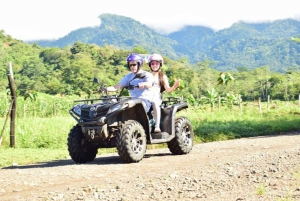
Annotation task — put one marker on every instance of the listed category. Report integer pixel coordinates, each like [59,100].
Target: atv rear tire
[80,150]
[182,143]
[132,142]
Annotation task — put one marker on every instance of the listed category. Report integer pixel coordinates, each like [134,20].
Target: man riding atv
[134,63]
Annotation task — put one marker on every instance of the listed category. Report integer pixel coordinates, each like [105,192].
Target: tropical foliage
[70,71]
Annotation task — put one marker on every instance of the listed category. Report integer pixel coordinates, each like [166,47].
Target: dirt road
[262,168]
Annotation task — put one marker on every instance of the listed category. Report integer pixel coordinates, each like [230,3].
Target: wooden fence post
[8,114]
[13,109]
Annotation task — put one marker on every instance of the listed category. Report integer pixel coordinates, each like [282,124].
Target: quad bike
[122,122]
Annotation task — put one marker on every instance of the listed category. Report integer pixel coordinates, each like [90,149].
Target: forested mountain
[242,45]
[119,31]
[245,45]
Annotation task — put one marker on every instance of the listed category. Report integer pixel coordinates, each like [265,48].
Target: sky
[53,19]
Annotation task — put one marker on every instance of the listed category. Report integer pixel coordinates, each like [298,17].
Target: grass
[21,156]
[297,174]
[36,140]
[231,124]
[38,132]
[45,139]
[261,190]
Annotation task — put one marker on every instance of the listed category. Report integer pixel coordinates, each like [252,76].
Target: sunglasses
[154,63]
[130,65]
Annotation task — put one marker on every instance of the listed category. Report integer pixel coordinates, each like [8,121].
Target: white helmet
[156,57]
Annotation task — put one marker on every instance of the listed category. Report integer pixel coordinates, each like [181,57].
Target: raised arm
[167,86]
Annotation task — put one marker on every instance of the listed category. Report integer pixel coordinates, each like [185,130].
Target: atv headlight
[114,108]
[77,109]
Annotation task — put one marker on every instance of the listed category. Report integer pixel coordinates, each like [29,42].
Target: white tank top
[156,90]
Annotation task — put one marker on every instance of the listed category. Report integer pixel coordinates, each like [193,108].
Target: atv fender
[168,117]
[134,110]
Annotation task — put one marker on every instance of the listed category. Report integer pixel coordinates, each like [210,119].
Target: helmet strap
[138,69]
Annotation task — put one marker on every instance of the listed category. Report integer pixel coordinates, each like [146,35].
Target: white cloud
[36,19]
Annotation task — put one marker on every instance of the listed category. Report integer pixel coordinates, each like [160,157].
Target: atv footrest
[160,135]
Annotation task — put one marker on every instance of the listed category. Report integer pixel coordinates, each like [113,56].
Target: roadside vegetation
[41,139]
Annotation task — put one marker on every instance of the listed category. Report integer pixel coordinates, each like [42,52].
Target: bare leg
[156,115]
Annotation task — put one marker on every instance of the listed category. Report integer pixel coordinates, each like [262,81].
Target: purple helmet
[135,57]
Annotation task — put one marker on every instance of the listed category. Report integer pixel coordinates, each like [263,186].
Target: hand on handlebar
[141,85]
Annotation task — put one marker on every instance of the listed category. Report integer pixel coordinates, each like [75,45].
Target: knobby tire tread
[177,145]
[78,153]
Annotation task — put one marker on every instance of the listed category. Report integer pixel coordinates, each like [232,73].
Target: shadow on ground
[99,160]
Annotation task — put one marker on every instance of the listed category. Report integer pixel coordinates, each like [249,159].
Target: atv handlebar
[103,89]
[131,87]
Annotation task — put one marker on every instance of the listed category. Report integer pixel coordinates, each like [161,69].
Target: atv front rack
[108,98]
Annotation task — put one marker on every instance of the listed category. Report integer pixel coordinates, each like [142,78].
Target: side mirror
[95,80]
[138,76]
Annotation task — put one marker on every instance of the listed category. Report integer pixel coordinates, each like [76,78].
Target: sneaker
[157,130]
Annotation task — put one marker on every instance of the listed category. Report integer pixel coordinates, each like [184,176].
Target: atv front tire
[80,150]
[132,142]
[182,143]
